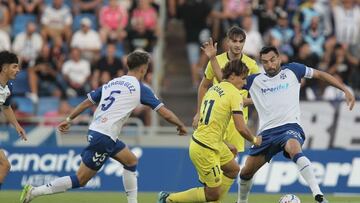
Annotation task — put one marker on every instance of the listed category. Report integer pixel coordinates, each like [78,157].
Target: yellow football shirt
[218,104]
[232,136]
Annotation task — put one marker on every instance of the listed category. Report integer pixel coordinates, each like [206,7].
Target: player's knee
[212,195]
[233,173]
[246,174]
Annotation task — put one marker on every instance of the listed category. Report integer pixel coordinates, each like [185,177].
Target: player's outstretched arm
[210,50]
[244,130]
[350,99]
[203,87]
[10,116]
[65,125]
[170,117]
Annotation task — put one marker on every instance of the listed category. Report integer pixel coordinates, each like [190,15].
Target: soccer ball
[289,198]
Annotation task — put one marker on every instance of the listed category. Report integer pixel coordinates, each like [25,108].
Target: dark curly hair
[235,66]
[7,57]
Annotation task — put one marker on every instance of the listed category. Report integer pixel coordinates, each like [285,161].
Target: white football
[289,198]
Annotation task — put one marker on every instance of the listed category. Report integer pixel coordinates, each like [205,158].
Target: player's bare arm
[65,125]
[244,130]
[10,116]
[169,116]
[210,50]
[203,87]
[350,99]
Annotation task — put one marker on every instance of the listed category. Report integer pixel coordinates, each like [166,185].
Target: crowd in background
[68,48]
[323,34]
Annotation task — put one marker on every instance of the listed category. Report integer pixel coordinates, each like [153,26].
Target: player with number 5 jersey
[211,156]
[115,101]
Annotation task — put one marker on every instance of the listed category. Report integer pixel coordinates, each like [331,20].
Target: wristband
[68,119]
[254,140]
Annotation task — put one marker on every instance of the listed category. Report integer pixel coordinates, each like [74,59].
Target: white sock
[244,187]
[56,186]
[130,185]
[307,172]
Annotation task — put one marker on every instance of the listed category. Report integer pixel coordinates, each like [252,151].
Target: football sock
[244,187]
[307,172]
[191,195]
[56,186]
[130,185]
[225,186]
[0,185]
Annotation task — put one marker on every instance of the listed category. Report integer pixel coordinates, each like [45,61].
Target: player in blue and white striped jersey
[9,67]
[115,101]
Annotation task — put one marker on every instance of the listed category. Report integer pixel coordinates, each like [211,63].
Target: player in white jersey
[275,95]
[9,67]
[115,101]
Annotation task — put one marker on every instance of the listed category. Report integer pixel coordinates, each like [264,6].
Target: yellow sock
[225,186]
[191,195]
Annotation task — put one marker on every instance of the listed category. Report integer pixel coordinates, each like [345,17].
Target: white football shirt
[276,99]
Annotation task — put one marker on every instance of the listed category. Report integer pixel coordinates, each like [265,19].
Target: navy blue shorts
[274,140]
[100,148]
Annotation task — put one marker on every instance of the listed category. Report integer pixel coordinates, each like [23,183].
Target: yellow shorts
[208,162]
[232,136]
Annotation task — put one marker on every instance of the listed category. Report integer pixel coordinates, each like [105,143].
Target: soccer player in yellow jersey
[211,156]
[235,41]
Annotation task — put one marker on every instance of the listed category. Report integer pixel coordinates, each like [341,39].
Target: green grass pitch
[7,196]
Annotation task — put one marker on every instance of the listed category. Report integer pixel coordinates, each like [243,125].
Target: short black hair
[235,31]
[234,66]
[7,57]
[137,58]
[268,49]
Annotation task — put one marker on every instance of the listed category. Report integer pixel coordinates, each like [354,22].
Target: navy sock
[130,168]
[74,181]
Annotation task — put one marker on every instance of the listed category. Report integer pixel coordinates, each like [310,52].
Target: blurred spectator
[306,13]
[315,37]
[281,35]
[113,19]
[29,7]
[10,6]
[5,18]
[324,9]
[253,43]
[235,10]
[76,72]
[107,68]
[59,51]
[86,6]
[334,94]
[5,42]
[139,37]
[56,21]
[54,118]
[27,45]
[44,77]
[194,15]
[343,63]
[147,13]
[347,25]
[87,40]
[305,56]
[267,15]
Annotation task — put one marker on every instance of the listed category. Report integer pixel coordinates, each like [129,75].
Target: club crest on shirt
[282,76]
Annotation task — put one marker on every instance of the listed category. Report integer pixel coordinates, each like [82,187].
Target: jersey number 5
[208,105]
[111,100]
